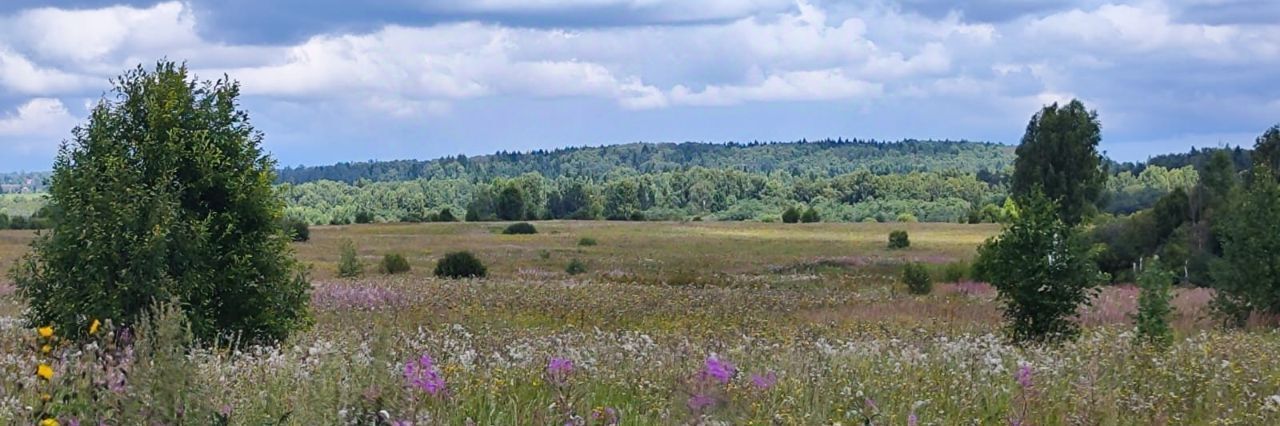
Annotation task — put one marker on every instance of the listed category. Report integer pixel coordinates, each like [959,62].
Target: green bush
[916,276]
[907,218]
[575,267]
[298,230]
[348,263]
[1154,307]
[522,228]
[393,263]
[364,217]
[166,192]
[587,241]
[460,264]
[810,216]
[791,215]
[1042,271]
[955,272]
[899,240]
[446,216]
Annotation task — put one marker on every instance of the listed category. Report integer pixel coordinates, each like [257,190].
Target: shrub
[907,218]
[955,272]
[446,216]
[587,241]
[899,240]
[522,228]
[298,230]
[810,216]
[791,215]
[1042,272]
[348,263]
[460,264]
[916,276]
[636,217]
[1154,307]
[364,217]
[393,263]
[575,267]
[166,191]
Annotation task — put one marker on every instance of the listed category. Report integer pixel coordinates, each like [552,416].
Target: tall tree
[511,204]
[1059,155]
[1266,150]
[166,194]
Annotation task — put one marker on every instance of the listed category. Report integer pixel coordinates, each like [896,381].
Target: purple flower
[722,371]
[912,420]
[424,375]
[401,423]
[1024,376]
[559,369]
[699,402]
[764,382]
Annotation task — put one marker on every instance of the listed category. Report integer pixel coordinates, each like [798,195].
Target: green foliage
[363,217]
[898,239]
[445,215]
[791,215]
[1266,149]
[521,228]
[907,218]
[916,276]
[1058,156]
[166,193]
[575,267]
[587,241]
[955,272]
[393,263]
[297,230]
[1246,277]
[349,265]
[511,204]
[1042,272]
[810,216]
[461,264]
[164,336]
[1154,304]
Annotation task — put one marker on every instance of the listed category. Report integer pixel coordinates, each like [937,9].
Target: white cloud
[37,125]
[22,76]
[791,86]
[663,10]
[1150,27]
[86,36]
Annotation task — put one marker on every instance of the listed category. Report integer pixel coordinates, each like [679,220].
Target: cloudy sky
[392,79]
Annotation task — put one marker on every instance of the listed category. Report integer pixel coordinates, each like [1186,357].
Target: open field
[816,306]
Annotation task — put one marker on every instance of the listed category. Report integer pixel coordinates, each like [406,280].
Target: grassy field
[680,323]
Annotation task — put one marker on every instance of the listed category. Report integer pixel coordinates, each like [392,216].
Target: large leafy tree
[165,194]
[1059,156]
[1247,276]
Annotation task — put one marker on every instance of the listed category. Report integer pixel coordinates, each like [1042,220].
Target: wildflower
[764,382]
[46,397]
[1024,376]
[558,369]
[45,332]
[424,375]
[49,422]
[93,327]
[720,370]
[45,349]
[44,371]
[912,420]
[699,402]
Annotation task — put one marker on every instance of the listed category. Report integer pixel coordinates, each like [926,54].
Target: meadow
[671,323]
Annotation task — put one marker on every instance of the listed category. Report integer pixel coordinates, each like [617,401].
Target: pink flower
[424,375]
[1024,376]
[559,369]
[764,382]
[700,402]
[720,370]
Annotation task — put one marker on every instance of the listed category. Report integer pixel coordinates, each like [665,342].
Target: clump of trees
[1040,265]
[1246,275]
[165,193]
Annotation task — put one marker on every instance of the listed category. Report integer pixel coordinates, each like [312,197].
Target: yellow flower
[93,328]
[45,349]
[49,422]
[45,397]
[44,371]
[45,332]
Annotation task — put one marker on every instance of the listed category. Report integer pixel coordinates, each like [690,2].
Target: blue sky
[328,81]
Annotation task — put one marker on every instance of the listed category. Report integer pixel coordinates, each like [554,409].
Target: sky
[334,80]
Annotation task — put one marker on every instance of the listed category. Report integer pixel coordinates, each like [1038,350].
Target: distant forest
[840,180]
